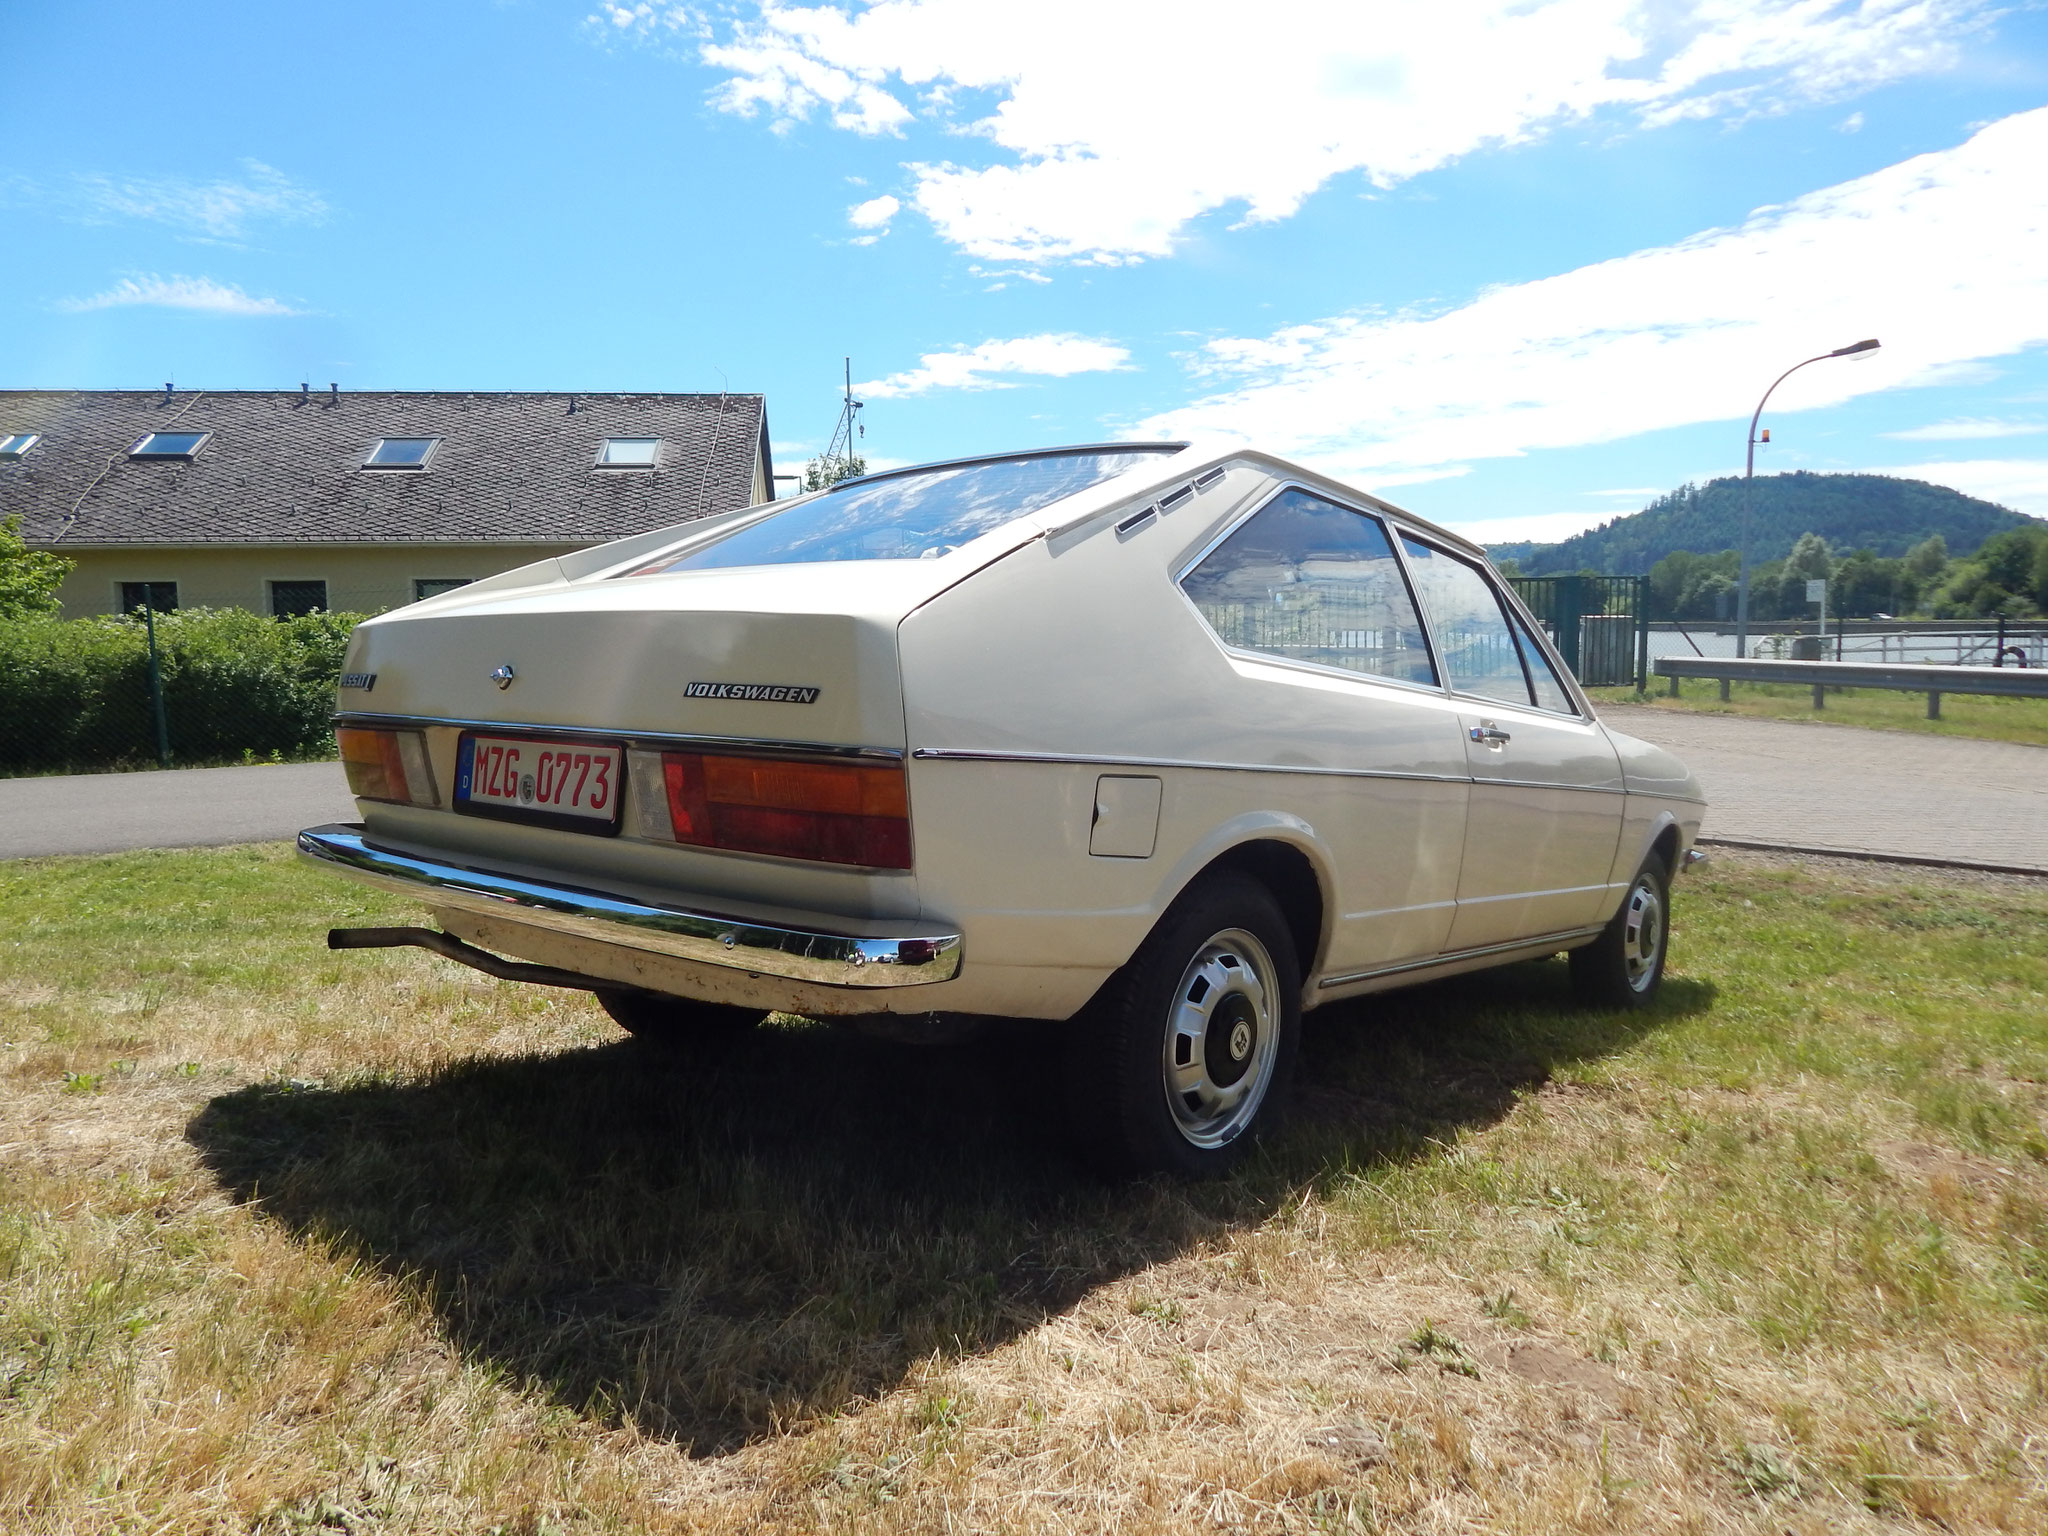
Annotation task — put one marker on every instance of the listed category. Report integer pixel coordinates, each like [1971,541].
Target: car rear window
[919,515]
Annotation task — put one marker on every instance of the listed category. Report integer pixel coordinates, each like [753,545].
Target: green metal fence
[1599,624]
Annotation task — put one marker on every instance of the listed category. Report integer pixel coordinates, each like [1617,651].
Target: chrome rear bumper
[890,955]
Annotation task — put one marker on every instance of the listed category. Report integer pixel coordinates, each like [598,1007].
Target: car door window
[1550,692]
[1479,651]
[1308,580]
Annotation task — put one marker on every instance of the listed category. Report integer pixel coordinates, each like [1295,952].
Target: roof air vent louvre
[1203,482]
[1173,499]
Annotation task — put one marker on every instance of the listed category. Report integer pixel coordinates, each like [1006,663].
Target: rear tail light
[387,765]
[831,813]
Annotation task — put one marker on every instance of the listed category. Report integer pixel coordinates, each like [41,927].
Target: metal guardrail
[1903,677]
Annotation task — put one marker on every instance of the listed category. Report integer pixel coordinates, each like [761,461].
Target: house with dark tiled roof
[287,501]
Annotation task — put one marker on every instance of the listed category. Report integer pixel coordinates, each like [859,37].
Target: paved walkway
[184,808]
[1811,785]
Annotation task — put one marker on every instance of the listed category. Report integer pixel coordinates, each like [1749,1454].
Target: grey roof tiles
[284,468]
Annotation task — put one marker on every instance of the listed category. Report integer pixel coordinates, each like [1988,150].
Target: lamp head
[1855,347]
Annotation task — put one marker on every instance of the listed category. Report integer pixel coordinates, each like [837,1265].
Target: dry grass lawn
[293,1241]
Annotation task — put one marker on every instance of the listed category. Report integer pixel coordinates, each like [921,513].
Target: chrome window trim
[652,740]
[1162,450]
[1387,522]
[824,958]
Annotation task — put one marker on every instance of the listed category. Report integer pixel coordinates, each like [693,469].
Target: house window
[433,586]
[14,444]
[401,453]
[169,445]
[294,599]
[160,595]
[629,453]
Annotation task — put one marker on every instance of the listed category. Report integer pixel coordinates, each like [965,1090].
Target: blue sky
[1519,264]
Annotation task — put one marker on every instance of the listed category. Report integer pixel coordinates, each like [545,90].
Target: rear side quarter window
[1307,580]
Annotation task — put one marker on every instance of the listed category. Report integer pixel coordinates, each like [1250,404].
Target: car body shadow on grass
[718,1249]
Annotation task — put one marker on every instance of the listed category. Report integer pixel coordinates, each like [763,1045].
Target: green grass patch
[292,1239]
[1988,718]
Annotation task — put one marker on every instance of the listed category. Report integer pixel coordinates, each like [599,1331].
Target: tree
[29,578]
[825,471]
[1924,561]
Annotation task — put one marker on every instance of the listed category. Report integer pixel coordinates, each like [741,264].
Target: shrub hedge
[74,693]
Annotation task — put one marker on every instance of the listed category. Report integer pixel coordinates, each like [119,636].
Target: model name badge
[766,693]
[363,680]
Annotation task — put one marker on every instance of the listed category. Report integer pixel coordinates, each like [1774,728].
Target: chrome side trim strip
[1453,956]
[1092,760]
[763,949]
[651,739]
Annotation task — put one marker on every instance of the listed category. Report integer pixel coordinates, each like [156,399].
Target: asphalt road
[1782,782]
[184,808]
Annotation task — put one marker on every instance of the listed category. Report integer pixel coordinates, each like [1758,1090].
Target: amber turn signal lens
[831,813]
[386,765]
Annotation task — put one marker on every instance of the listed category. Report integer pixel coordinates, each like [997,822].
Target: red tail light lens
[386,765]
[832,813]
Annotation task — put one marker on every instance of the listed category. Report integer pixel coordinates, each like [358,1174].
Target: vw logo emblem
[1240,1040]
[503,677]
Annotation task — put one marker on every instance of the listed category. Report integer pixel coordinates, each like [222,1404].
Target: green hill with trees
[1885,545]
[1880,513]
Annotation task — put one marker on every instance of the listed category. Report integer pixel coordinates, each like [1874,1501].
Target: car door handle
[1491,734]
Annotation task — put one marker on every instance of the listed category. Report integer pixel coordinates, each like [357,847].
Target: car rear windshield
[920,515]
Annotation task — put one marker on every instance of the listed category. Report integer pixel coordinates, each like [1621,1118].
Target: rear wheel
[1184,1057]
[1624,966]
[677,1023]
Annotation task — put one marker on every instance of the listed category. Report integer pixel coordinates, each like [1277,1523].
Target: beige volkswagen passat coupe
[1158,745]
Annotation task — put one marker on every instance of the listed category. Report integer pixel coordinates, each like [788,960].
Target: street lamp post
[1748,479]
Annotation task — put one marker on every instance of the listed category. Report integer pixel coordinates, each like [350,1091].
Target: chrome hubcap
[1642,934]
[1221,1038]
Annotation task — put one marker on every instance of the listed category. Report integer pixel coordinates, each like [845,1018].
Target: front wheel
[1183,1059]
[1623,967]
[677,1023]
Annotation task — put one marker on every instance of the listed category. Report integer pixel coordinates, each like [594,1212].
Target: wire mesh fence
[186,689]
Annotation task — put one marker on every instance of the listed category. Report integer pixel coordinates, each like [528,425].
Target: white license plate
[545,780]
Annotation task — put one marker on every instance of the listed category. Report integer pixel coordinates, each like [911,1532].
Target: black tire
[677,1023]
[1624,966]
[1217,976]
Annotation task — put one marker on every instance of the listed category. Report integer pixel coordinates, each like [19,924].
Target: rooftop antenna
[841,461]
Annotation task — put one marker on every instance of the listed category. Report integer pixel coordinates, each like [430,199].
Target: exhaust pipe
[452,948]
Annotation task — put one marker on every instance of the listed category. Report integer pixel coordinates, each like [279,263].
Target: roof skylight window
[168,445]
[14,444]
[629,453]
[401,453]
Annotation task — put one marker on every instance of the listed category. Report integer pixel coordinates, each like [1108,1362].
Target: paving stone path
[1838,787]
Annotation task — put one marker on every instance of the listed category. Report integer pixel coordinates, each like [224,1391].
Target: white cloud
[1944,257]
[199,293]
[1116,122]
[2021,484]
[874,216]
[982,367]
[220,210]
[1538,527]
[1956,431]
